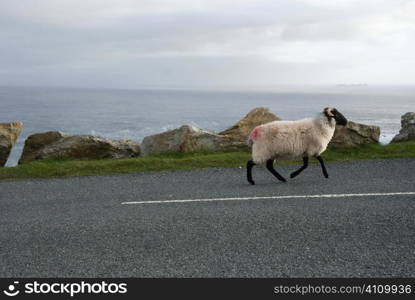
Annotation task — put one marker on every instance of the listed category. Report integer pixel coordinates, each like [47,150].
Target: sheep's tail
[255,134]
[250,142]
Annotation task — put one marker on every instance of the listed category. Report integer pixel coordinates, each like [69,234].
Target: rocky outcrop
[187,139]
[191,139]
[407,131]
[240,131]
[354,134]
[57,145]
[9,132]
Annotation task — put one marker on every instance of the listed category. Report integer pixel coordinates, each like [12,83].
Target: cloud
[129,43]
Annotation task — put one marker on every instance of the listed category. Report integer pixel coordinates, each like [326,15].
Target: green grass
[181,161]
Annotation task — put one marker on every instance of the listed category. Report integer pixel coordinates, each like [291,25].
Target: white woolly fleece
[286,140]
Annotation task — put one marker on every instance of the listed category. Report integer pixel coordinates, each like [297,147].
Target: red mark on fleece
[256,133]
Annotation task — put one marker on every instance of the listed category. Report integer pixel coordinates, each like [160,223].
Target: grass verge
[181,161]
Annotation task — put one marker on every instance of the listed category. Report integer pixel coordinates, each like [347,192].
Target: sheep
[287,140]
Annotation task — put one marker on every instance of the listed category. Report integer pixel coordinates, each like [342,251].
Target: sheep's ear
[328,111]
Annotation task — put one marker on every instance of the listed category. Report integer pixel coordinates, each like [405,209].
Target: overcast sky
[206,43]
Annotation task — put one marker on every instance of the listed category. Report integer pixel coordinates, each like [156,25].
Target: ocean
[134,114]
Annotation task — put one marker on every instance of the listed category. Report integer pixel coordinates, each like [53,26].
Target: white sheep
[287,140]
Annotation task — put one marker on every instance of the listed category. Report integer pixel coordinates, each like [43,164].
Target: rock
[56,145]
[187,139]
[354,134]
[241,130]
[407,131]
[35,143]
[191,139]
[9,132]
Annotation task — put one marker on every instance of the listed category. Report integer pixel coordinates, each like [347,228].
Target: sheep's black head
[330,113]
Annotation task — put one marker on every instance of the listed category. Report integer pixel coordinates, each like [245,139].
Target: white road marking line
[270,197]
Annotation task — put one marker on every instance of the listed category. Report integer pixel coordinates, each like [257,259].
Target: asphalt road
[78,227]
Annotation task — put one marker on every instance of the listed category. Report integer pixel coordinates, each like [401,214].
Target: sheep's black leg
[304,166]
[249,166]
[270,167]
[323,167]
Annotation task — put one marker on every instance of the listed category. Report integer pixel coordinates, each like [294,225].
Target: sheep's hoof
[293,175]
[251,182]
